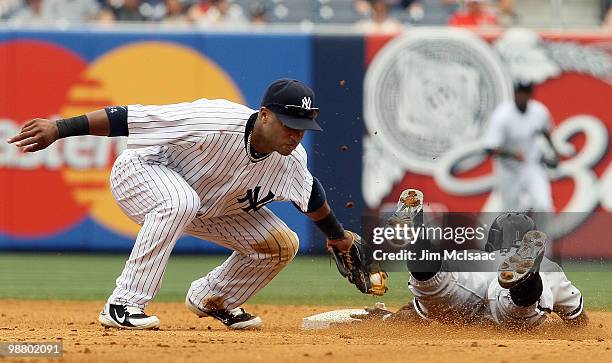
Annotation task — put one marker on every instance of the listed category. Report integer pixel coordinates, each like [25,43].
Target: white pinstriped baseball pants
[162,202]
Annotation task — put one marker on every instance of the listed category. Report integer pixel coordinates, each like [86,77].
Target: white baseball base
[326,319]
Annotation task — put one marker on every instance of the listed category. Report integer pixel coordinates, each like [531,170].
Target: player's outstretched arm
[319,211]
[348,250]
[38,134]
[350,253]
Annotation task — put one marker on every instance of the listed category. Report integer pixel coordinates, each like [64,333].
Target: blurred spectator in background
[155,10]
[607,22]
[505,8]
[70,11]
[379,21]
[129,10]
[430,12]
[220,12]
[473,14]
[9,7]
[175,12]
[257,13]
[106,14]
[197,10]
[362,7]
[31,13]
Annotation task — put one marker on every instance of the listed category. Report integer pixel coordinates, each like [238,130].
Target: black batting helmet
[507,231]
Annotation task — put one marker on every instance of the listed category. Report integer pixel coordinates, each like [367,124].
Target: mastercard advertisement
[59,198]
[398,111]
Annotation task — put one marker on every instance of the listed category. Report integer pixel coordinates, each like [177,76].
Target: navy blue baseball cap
[292,101]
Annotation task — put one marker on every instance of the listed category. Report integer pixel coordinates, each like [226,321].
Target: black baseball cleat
[524,262]
[233,319]
[127,317]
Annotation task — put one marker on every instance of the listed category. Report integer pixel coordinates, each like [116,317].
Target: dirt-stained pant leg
[263,245]
[452,297]
[506,313]
[162,202]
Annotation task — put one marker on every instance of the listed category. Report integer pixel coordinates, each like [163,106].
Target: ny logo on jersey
[306,103]
[252,196]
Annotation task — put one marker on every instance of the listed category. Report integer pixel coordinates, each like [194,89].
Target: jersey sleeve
[183,124]
[159,125]
[568,303]
[301,181]
[493,135]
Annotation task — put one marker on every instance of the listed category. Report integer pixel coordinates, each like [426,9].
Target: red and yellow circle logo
[48,191]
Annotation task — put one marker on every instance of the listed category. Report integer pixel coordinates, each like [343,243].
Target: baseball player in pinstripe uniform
[207,168]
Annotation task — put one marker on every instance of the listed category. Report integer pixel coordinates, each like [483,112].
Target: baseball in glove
[357,266]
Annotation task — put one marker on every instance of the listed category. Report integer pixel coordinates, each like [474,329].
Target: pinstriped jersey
[205,141]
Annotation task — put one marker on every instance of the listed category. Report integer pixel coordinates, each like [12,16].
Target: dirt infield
[184,337]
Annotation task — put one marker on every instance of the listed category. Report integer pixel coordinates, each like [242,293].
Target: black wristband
[74,126]
[330,226]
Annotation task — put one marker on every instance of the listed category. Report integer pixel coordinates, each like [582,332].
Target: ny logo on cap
[306,103]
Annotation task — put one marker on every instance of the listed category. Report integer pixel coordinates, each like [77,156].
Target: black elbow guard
[317,197]
[117,117]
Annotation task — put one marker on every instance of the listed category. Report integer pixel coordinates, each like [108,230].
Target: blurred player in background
[511,137]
